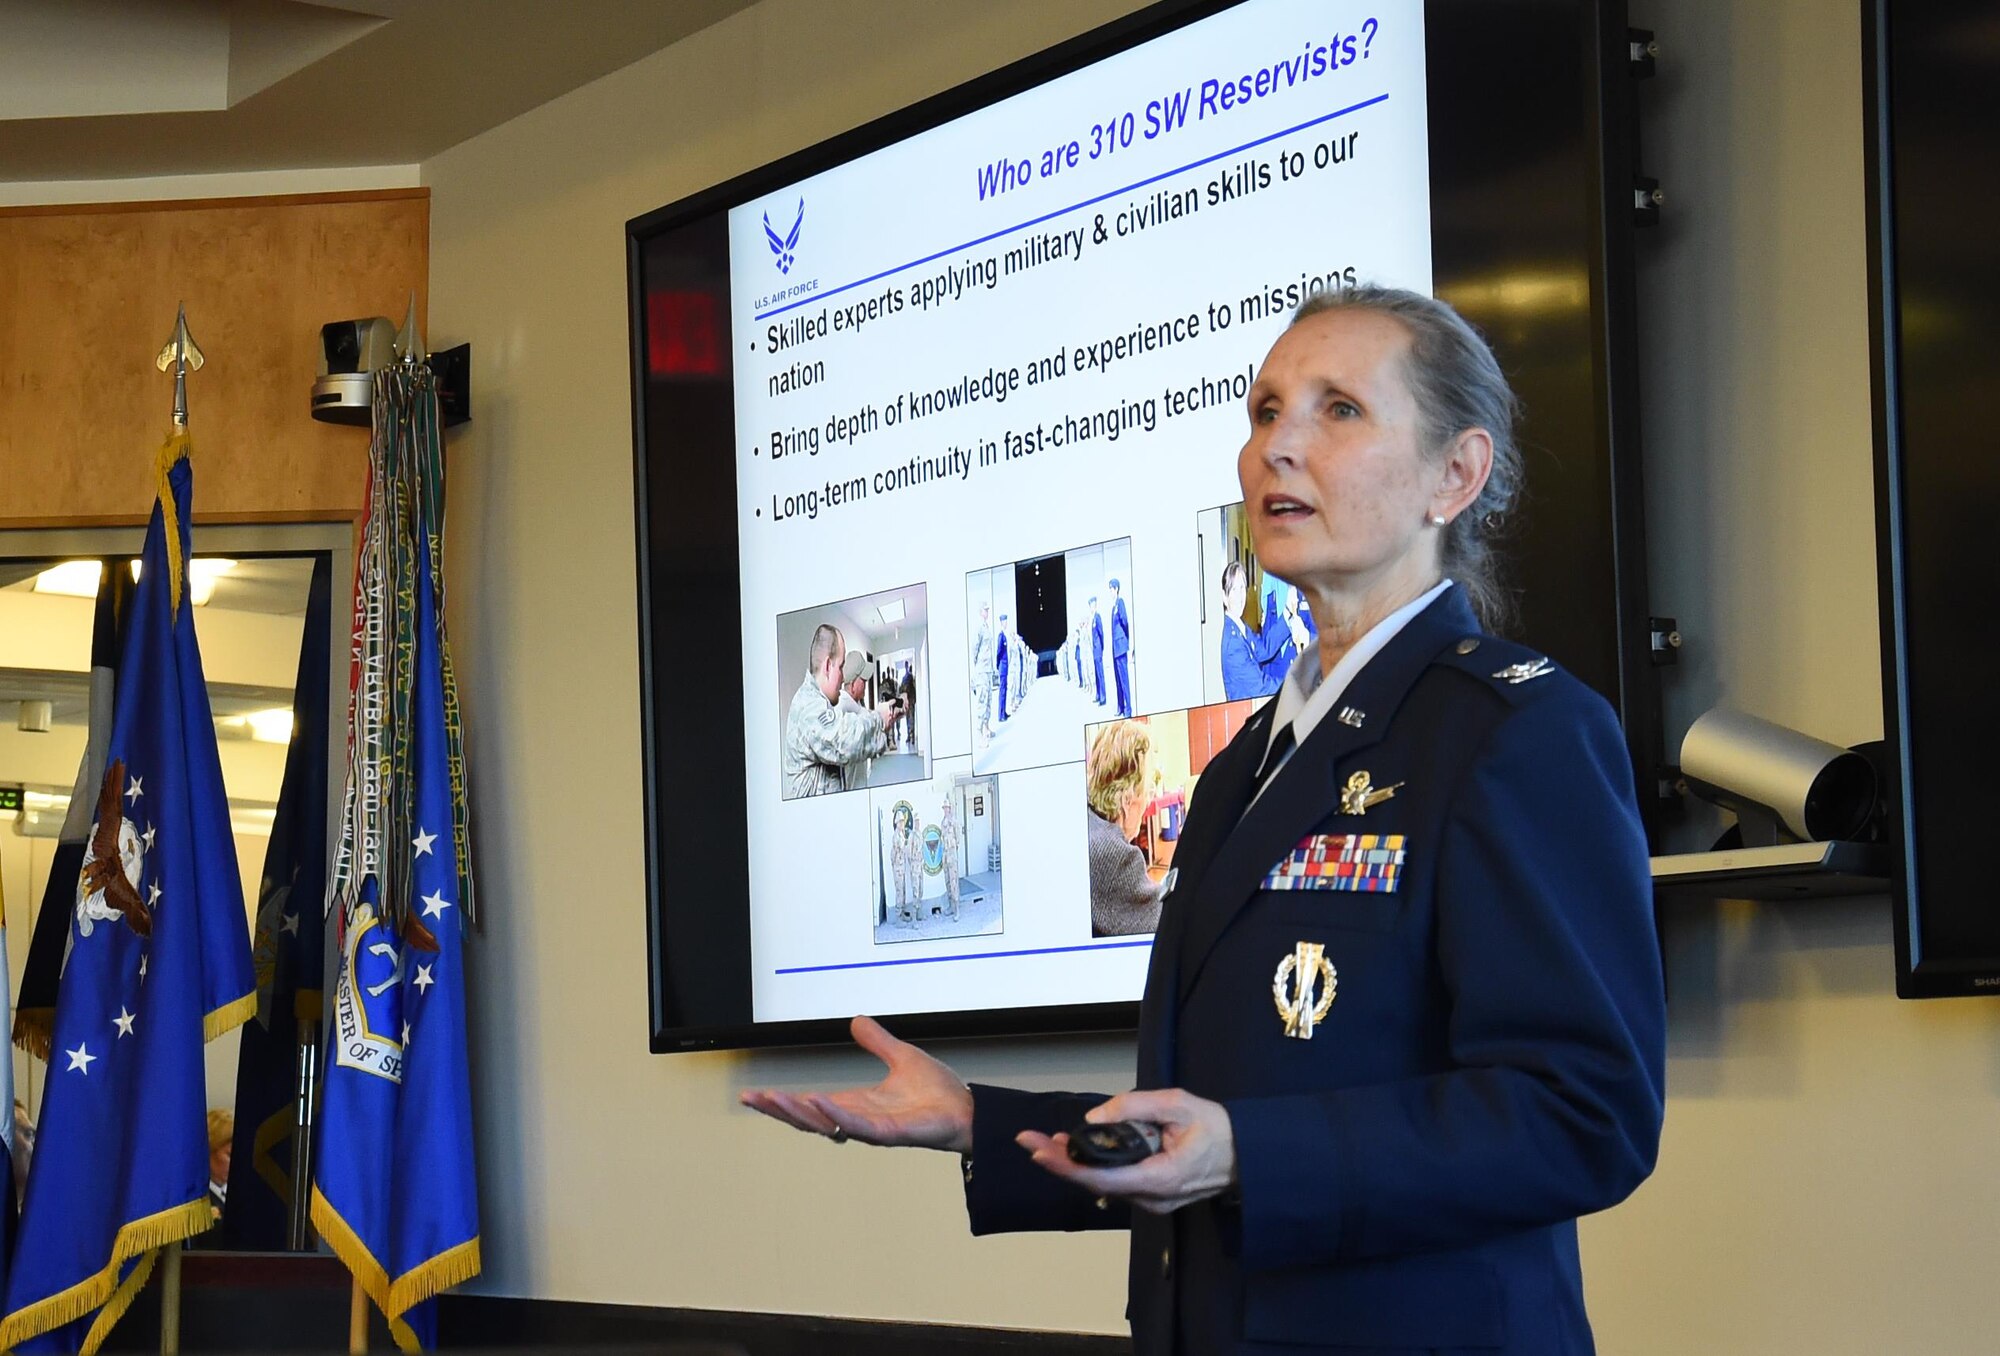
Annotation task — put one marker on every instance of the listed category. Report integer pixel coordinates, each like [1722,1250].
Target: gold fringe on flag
[457,1263]
[394,1299]
[177,446]
[104,1290]
[35,1031]
[228,1017]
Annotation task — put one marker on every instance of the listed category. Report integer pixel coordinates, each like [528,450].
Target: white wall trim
[247,184]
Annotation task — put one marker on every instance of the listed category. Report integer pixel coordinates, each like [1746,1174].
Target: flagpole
[170,1301]
[357,1319]
[180,356]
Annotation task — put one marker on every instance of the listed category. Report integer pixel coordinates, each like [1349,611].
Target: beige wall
[1828,1180]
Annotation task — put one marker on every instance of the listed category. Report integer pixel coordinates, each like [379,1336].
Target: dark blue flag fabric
[286,948]
[395,1193]
[158,963]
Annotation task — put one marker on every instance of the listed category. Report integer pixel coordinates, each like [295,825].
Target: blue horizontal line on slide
[978,955]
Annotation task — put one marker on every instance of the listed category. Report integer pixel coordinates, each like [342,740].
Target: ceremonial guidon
[1419,969]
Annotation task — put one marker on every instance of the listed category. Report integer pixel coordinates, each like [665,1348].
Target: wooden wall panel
[87,298]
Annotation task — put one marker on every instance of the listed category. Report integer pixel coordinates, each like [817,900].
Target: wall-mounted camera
[350,353]
[1784,787]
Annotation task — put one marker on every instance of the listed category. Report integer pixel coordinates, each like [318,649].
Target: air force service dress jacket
[1489,1069]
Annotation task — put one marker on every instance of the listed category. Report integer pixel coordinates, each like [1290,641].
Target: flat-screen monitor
[1931,73]
[936,428]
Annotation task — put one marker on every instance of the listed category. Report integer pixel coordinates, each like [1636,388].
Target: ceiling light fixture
[270,727]
[71,579]
[202,572]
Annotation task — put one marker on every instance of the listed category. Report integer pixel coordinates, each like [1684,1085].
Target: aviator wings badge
[1359,796]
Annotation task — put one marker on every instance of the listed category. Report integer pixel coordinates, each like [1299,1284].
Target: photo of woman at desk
[1138,778]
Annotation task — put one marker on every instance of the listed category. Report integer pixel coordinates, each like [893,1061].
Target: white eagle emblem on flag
[108,885]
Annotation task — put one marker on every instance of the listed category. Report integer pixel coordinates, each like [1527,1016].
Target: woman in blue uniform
[1404,1020]
[1246,659]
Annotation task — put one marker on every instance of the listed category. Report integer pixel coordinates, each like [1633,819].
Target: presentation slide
[990,388]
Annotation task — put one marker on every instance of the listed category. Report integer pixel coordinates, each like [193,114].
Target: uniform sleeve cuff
[1287,1168]
[1004,1191]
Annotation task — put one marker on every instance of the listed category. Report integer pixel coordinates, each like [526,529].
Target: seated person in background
[24,1148]
[221,1131]
[1123,898]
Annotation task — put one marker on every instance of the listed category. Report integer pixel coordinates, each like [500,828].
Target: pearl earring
[1437,520]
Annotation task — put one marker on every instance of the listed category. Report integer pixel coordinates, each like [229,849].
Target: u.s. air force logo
[368,1003]
[785,247]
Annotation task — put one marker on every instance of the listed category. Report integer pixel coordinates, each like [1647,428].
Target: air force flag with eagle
[396,1196]
[158,963]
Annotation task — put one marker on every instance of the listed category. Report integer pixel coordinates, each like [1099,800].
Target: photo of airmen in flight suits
[1053,645]
[936,866]
[1252,624]
[854,694]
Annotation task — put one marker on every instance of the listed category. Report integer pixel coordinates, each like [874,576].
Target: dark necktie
[1281,744]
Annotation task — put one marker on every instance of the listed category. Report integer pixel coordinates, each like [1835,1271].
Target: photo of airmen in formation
[937,858]
[1053,647]
[1253,624]
[850,675]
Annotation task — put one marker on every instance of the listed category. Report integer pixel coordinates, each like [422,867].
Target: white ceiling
[112,89]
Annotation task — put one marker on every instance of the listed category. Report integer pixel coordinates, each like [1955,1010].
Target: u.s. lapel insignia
[1303,989]
[1523,671]
[1359,796]
[1350,716]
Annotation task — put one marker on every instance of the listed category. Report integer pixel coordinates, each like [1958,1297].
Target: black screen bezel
[1925,221]
[1566,60]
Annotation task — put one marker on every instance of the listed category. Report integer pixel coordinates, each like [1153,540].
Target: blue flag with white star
[395,1194]
[158,963]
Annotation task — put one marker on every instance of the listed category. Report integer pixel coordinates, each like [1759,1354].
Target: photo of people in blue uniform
[1253,624]
[1054,645]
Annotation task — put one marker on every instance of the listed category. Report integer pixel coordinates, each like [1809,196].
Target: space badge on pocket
[1340,861]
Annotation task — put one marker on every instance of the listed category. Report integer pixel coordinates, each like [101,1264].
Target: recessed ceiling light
[71,579]
[270,727]
[202,572]
[891,612]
